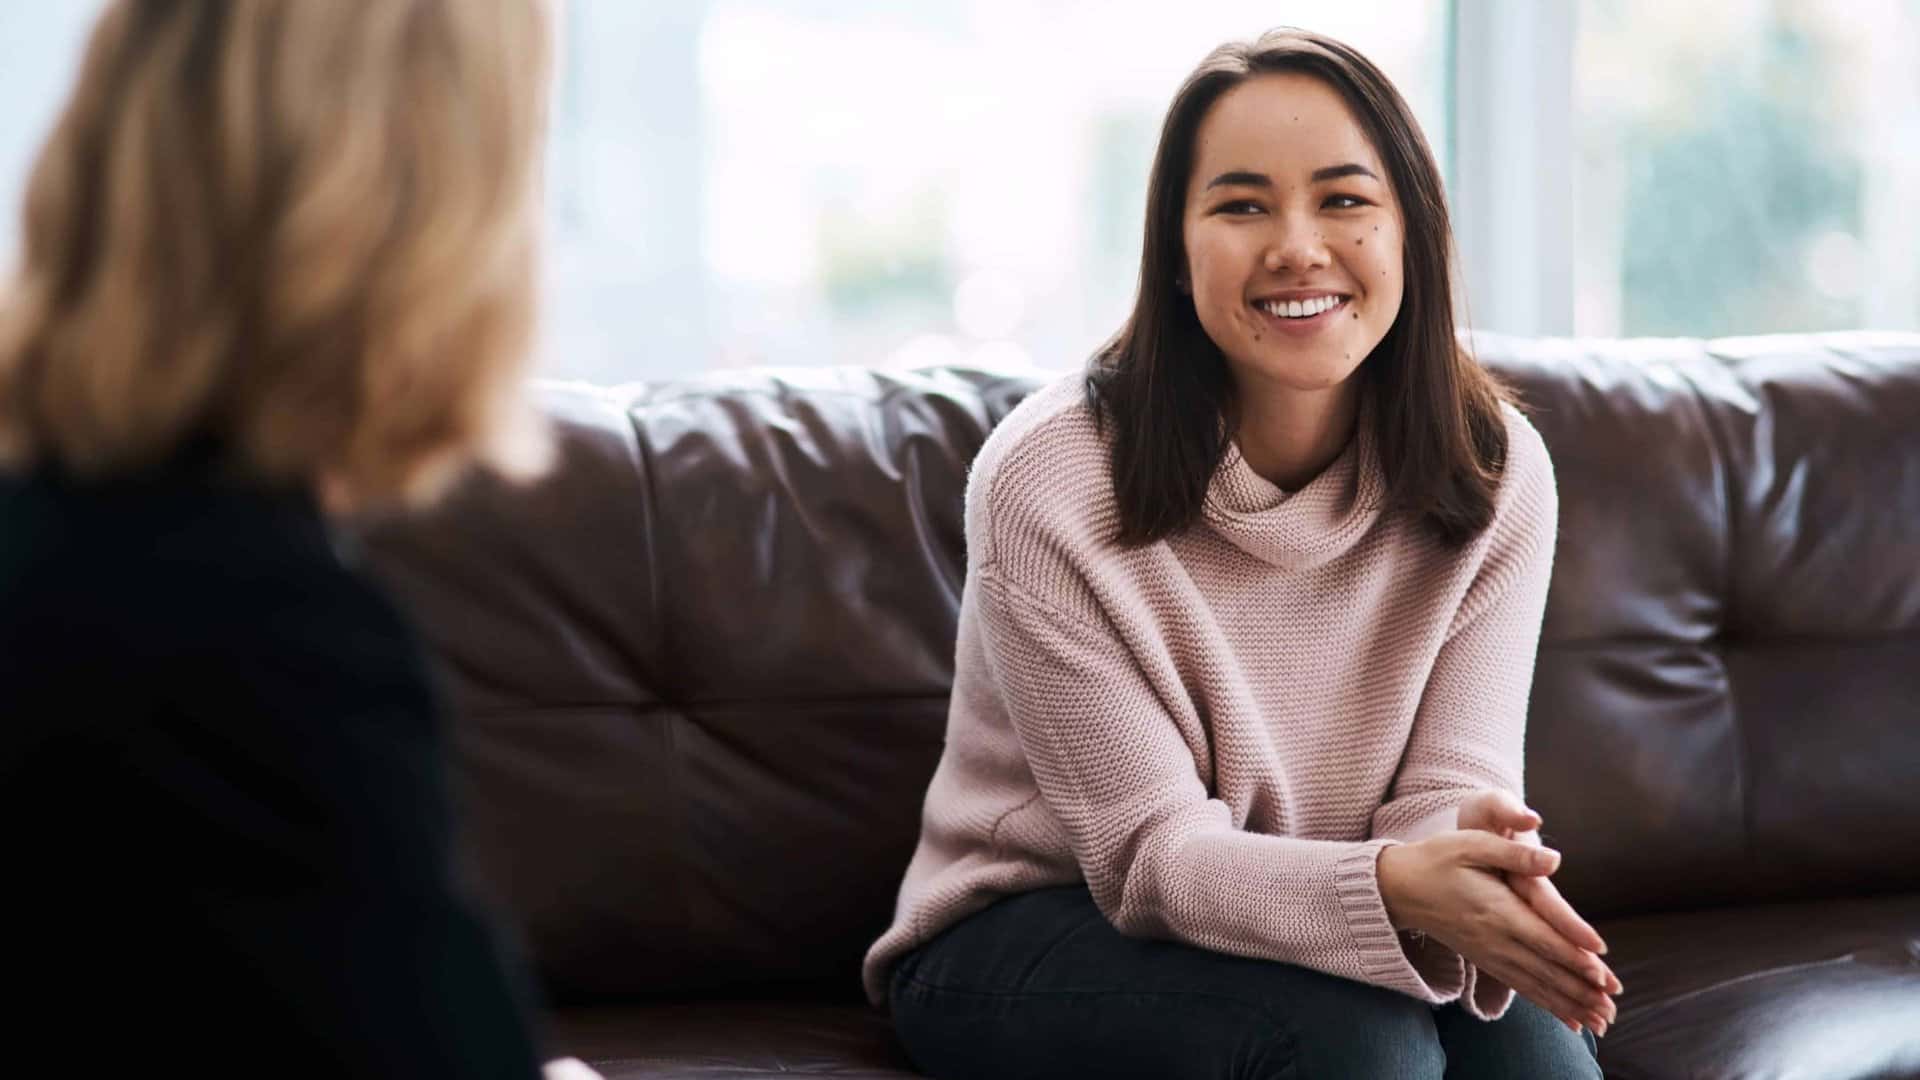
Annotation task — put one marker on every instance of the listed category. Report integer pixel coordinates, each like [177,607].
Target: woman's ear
[1180,282]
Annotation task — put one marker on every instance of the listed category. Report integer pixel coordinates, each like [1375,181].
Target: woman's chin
[1281,370]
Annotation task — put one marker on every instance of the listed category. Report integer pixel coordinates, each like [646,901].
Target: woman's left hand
[1499,812]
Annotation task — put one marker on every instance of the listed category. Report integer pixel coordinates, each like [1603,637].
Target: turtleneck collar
[1301,529]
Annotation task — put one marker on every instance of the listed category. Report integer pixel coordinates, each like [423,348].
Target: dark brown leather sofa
[701,675]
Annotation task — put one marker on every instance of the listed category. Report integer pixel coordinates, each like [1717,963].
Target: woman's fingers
[1552,986]
[1513,942]
[1571,969]
[1496,811]
[1492,852]
[1544,898]
[1525,982]
[1546,902]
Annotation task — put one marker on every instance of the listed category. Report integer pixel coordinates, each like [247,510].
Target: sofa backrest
[1726,706]
[700,672]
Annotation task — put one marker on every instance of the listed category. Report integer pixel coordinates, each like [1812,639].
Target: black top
[224,800]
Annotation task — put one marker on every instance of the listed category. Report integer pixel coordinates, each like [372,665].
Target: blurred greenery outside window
[1746,166]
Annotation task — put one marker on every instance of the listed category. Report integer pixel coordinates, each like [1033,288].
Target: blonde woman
[278,263]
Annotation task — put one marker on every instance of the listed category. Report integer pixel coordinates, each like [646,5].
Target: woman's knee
[1353,1029]
[1269,1020]
[1527,1042]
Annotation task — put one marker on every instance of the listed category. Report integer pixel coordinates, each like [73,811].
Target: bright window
[802,181]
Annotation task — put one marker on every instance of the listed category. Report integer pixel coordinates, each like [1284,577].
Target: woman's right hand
[1449,887]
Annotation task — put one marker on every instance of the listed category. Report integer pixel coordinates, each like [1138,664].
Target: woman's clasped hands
[1482,890]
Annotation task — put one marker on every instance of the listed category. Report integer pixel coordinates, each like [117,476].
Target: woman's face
[1292,234]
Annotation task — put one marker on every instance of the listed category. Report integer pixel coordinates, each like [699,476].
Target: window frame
[1510,161]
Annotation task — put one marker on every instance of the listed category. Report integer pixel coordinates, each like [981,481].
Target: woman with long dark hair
[1233,776]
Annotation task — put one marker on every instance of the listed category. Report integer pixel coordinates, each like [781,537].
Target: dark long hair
[1164,385]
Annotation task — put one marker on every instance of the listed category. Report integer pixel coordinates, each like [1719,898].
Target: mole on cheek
[1357,243]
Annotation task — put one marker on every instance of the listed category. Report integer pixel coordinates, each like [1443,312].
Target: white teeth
[1297,309]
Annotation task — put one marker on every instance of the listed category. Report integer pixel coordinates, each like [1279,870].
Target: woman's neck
[1288,436]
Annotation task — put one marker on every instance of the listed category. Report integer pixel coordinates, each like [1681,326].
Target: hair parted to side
[1166,390]
[303,233]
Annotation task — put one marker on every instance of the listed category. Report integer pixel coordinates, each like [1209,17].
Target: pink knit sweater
[1219,733]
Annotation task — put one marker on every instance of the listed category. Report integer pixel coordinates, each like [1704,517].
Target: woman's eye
[1345,202]
[1240,207]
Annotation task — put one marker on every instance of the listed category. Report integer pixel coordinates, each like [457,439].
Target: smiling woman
[1279,269]
[1233,775]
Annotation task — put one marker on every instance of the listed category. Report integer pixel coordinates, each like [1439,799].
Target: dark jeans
[1041,985]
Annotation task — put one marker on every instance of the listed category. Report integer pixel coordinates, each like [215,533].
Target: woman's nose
[1296,246]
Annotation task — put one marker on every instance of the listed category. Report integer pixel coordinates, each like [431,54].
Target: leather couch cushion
[1828,989]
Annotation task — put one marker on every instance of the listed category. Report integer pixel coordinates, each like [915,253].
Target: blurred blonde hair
[303,231]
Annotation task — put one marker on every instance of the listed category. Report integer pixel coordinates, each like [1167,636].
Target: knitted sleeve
[1160,856]
[1470,728]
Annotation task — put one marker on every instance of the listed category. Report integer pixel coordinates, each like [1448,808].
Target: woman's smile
[1301,315]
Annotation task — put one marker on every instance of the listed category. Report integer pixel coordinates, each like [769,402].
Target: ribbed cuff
[1485,997]
[1382,957]
[1442,968]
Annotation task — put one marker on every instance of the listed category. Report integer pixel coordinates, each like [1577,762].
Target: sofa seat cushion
[725,1040]
[1828,989]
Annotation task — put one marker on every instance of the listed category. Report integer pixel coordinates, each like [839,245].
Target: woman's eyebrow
[1242,177]
[1248,178]
[1335,172]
